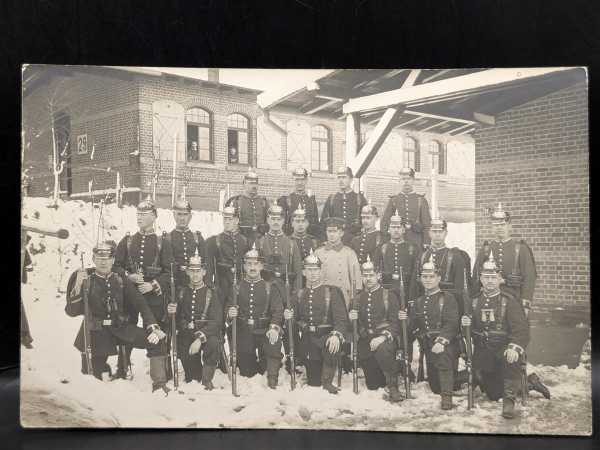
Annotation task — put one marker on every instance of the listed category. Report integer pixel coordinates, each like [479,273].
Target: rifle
[174,361]
[468,343]
[87,338]
[354,349]
[224,358]
[404,338]
[290,327]
[234,337]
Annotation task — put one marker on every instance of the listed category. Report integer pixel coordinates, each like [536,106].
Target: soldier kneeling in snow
[199,311]
[111,298]
[321,316]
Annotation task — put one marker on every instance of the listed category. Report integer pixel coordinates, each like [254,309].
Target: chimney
[213,75]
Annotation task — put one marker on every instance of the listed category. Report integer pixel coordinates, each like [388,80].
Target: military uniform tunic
[184,244]
[305,243]
[280,250]
[414,209]
[252,212]
[395,257]
[295,200]
[519,277]
[340,268]
[223,252]
[366,243]
[345,205]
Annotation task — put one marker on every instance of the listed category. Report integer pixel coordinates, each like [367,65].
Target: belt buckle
[254,228]
[107,322]
[250,321]
[312,328]
[278,274]
[395,276]
[407,226]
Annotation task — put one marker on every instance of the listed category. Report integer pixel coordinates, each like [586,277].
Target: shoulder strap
[441,310]
[386,302]
[448,264]
[207,303]
[500,322]
[516,270]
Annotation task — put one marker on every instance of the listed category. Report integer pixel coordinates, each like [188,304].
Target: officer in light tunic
[370,238]
[302,199]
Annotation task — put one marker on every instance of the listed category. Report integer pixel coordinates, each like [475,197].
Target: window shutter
[417,156]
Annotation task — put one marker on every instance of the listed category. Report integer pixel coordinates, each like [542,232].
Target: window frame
[209,126]
[238,130]
[415,151]
[327,141]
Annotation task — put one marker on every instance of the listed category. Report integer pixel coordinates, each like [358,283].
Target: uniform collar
[492,295]
[375,289]
[182,231]
[435,291]
[300,193]
[399,241]
[314,288]
[507,240]
[406,194]
[337,247]
[346,191]
[271,233]
[369,231]
[435,249]
[247,280]
[148,233]
[299,236]
[103,277]
[200,286]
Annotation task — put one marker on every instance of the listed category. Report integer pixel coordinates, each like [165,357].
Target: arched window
[199,132]
[412,156]
[237,139]
[320,149]
[438,156]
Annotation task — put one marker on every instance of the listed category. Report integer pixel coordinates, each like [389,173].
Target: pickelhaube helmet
[300,173]
[229,211]
[499,215]
[182,205]
[369,210]
[312,260]
[275,210]
[407,171]
[195,262]
[438,224]
[368,266]
[337,222]
[429,266]
[104,249]
[300,213]
[147,205]
[490,265]
[251,176]
[253,254]
[397,219]
[344,171]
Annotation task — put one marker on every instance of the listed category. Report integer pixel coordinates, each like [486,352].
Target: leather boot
[446,388]
[535,384]
[327,374]
[446,402]
[273,366]
[208,372]
[392,385]
[508,400]
[158,373]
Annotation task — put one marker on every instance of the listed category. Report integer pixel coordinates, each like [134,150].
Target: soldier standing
[434,319]
[251,208]
[305,242]
[199,321]
[184,242]
[111,297]
[260,313]
[370,238]
[146,260]
[345,204]
[340,265]
[321,315]
[412,207]
[514,259]
[225,251]
[280,252]
[26,338]
[302,199]
[376,310]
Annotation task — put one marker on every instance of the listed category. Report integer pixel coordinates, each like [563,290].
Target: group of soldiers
[331,293]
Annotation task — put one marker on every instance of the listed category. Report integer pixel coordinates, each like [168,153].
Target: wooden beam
[412,77]
[462,130]
[485,119]
[322,91]
[352,136]
[433,126]
[437,89]
[435,75]
[435,116]
[361,161]
[323,106]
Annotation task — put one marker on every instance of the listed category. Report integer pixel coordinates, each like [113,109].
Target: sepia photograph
[398,250]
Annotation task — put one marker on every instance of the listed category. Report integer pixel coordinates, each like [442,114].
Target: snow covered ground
[55,393]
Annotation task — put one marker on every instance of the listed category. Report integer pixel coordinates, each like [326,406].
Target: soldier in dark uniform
[305,242]
[412,207]
[260,314]
[370,238]
[184,242]
[345,204]
[303,199]
[199,311]
[500,333]
[397,256]
[146,260]
[434,319]
[251,208]
[280,252]
[376,310]
[225,251]
[321,315]
[514,259]
[26,338]
[111,297]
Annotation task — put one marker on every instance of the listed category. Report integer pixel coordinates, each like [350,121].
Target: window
[237,139]
[198,127]
[320,154]
[411,154]
[438,156]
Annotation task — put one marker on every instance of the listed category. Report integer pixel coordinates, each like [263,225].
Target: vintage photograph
[342,249]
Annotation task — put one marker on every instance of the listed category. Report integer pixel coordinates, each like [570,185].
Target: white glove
[333,344]
[402,315]
[512,356]
[153,338]
[288,314]
[437,348]
[376,342]
[465,321]
[172,308]
[353,314]
[195,347]
[191,325]
[273,335]
[145,287]
[232,312]
[136,278]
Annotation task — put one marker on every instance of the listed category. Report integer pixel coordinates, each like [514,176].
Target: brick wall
[535,161]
